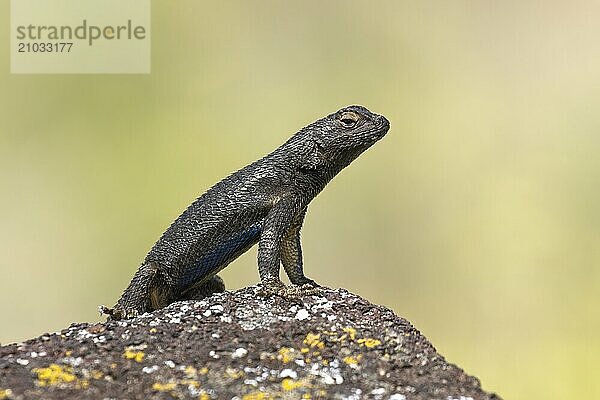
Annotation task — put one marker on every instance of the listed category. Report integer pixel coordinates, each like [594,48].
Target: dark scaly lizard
[264,202]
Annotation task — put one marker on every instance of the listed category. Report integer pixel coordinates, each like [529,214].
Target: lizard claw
[103,310]
[306,283]
[270,288]
[307,289]
[291,293]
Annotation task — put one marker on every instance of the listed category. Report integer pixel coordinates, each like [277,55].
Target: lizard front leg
[291,254]
[270,248]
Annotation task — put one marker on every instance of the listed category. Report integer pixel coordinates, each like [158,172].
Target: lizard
[265,203]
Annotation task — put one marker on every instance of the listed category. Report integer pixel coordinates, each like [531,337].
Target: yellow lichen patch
[96,374]
[306,396]
[313,340]
[352,360]
[368,342]
[351,332]
[170,386]
[289,384]
[164,387]
[190,382]
[68,353]
[5,394]
[257,396]
[204,396]
[190,372]
[153,330]
[203,371]
[286,355]
[55,374]
[233,373]
[304,350]
[138,356]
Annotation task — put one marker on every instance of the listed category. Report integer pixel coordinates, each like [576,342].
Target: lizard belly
[218,257]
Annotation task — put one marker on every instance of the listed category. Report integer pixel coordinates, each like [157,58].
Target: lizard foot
[292,293]
[306,289]
[306,282]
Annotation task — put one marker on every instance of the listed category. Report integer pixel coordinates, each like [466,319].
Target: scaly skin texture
[264,202]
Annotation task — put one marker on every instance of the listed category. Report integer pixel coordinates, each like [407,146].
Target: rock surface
[237,345]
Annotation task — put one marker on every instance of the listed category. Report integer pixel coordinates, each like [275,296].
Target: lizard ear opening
[313,158]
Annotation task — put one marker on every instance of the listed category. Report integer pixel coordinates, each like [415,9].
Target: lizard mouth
[383,123]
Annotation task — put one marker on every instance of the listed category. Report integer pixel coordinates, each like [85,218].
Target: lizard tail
[147,291]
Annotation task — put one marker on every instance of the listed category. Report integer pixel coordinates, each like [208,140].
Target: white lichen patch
[185,308]
[73,361]
[151,369]
[239,353]
[356,395]
[288,373]
[302,314]
[217,309]
[84,334]
[322,304]
[329,375]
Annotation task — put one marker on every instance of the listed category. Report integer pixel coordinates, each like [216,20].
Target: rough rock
[238,345]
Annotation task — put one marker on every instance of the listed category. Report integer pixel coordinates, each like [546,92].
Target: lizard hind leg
[200,291]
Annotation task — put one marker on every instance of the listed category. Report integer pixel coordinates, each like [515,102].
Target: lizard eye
[349,119]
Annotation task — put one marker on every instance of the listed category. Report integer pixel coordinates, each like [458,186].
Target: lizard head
[355,127]
[342,136]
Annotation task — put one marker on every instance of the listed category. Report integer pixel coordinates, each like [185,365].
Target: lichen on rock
[239,345]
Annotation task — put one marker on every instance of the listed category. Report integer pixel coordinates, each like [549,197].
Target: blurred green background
[477,217]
